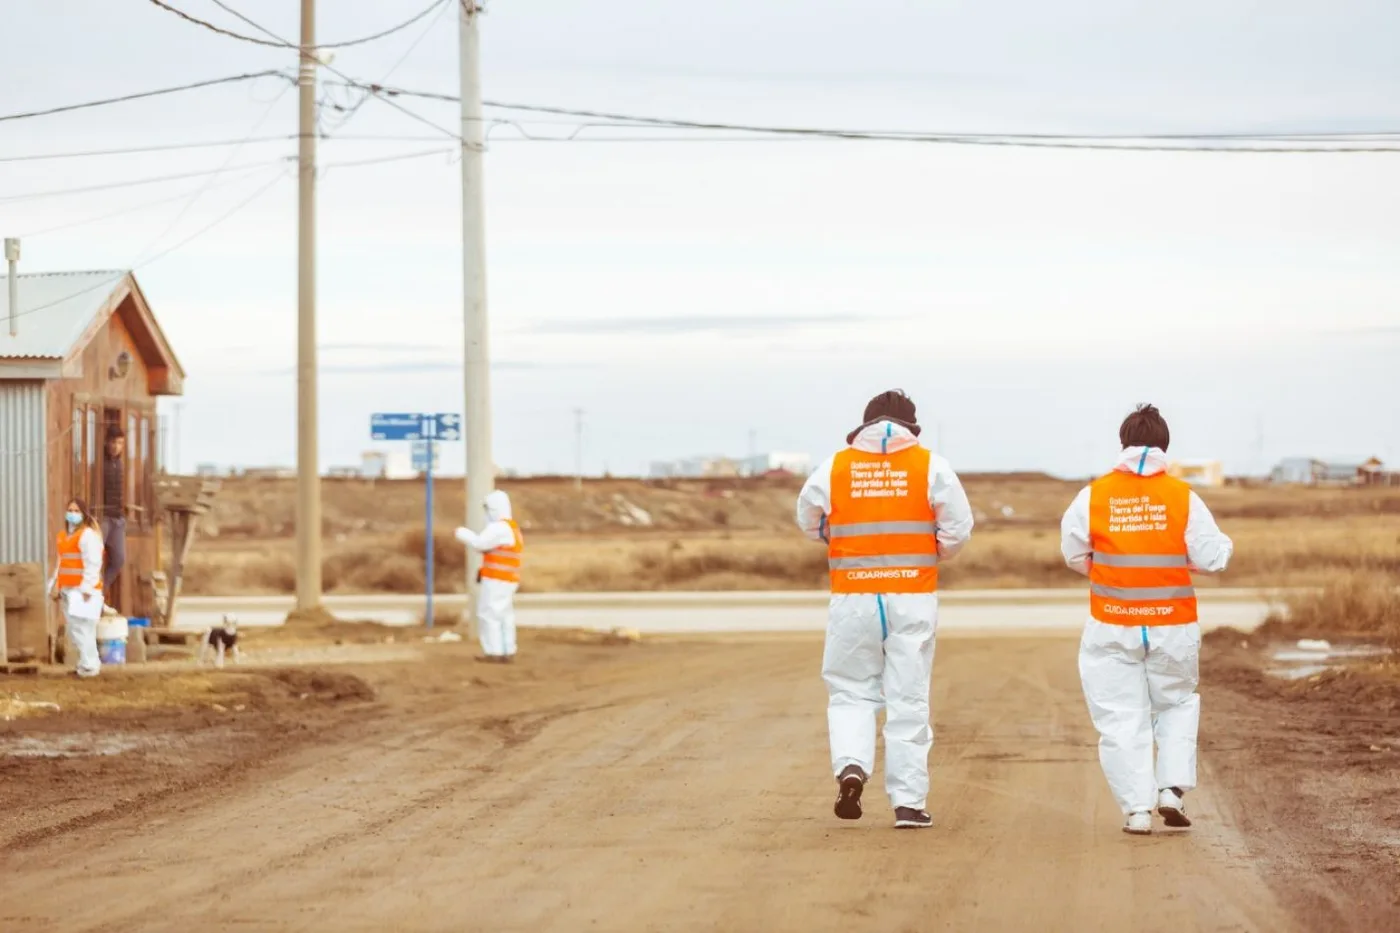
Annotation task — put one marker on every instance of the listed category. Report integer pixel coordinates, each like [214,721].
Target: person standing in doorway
[77,583]
[1137,534]
[113,510]
[889,511]
[503,550]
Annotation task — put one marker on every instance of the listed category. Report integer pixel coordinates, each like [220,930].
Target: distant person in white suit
[77,582]
[503,550]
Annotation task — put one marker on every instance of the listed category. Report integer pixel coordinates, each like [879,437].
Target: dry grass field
[738,534]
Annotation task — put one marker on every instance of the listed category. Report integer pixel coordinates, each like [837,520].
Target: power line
[129,209]
[413,46]
[267,112]
[162,254]
[398,157]
[282,43]
[350,82]
[135,182]
[353,163]
[135,150]
[220,143]
[232,79]
[1325,142]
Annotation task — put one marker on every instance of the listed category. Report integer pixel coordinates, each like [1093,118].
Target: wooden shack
[79,352]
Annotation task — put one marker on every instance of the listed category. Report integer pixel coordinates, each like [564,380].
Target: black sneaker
[850,784]
[909,818]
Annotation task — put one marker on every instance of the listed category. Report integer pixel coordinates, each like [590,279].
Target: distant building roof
[54,310]
[58,312]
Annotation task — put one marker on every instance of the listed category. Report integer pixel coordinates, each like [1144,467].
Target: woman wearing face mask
[77,581]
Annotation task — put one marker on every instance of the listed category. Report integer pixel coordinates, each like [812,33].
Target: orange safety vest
[1140,573]
[70,560]
[881,531]
[503,563]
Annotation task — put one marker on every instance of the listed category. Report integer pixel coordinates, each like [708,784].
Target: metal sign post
[425,429]
[428,523]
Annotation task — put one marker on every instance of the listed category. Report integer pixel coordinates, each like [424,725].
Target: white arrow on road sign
[449,421]
[451,434]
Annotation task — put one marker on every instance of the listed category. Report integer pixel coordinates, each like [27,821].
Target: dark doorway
[113,501]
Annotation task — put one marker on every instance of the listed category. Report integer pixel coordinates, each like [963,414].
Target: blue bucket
[112,652]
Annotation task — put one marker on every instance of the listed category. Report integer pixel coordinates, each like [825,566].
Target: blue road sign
[397,427]
[424,430]
[420,456]
[415,426]
[449,427]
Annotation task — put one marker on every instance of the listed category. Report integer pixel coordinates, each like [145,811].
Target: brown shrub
[1355,603]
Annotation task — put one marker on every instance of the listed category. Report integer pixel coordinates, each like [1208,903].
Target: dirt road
[662,786]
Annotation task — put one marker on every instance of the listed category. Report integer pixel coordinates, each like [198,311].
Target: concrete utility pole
[578,449]
[481,467]
[308,461]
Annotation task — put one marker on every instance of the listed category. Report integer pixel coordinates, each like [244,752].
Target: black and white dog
[222,637]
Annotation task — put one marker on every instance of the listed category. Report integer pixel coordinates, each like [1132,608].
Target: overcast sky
[686,293]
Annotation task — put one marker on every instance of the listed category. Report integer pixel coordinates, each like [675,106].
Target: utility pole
[308,460]
[481,468]
[578,449]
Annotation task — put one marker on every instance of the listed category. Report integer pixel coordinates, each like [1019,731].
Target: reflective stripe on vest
[70,560]
[881,530]
[1140,572]
[504,563]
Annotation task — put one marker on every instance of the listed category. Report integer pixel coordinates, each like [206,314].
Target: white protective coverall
[82,625]
[495,608]
[879,647]
[1140,681]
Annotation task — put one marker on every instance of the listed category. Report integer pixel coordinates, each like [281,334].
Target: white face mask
[74,517]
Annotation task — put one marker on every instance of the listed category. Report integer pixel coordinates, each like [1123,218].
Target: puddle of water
[77,745]
[1295,663]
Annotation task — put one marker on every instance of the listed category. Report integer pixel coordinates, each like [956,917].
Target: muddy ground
[671,784]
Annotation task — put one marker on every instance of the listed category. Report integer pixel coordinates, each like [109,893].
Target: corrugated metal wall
[23,473]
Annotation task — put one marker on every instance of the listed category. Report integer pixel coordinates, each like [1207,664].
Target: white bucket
[111,628]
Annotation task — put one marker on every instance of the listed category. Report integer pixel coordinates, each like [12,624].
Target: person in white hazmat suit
[503,550]
[77,584]
[1138,534]
[889,511]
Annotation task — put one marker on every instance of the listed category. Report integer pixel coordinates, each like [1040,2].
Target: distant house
[1297,471]
[1309,471]
[1198,472]
[776,463]
[715,467]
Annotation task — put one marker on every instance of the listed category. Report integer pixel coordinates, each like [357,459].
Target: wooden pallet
[26,668]
[186,493]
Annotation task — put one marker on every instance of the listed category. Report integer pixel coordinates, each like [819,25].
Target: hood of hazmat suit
[879,646]
[497,506]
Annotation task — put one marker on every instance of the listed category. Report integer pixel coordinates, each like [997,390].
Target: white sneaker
[1139,823]
[1172,808]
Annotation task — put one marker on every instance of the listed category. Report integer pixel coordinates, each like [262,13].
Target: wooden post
[183,539]
[4,639]
[183,500]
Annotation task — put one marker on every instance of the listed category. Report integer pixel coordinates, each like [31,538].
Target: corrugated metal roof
[54,310]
